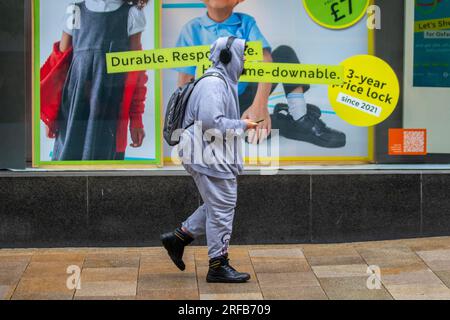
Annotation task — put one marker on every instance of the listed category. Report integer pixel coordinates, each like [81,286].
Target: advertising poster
[290,33]
[432,43]
[82,114]
[425,96]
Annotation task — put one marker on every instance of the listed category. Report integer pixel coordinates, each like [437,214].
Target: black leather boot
[309,128]
[174,242]
[221,271]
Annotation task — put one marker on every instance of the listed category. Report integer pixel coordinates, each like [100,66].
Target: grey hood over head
[232,70]
[215,103]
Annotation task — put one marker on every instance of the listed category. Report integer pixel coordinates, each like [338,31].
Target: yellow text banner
[170,58]
[292,73]
[432,25]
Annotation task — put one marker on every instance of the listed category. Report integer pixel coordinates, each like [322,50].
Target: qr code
[414,142]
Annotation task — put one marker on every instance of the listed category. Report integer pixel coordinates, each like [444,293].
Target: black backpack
[176,108]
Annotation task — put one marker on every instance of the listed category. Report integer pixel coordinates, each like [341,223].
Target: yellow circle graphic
[369,94]
[336,14]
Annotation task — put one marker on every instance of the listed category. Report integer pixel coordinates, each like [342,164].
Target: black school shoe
[309,128]
[174,242]
[220,271]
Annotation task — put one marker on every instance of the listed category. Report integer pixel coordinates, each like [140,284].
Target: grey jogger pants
[215,217]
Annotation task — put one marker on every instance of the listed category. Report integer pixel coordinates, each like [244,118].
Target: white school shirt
[136,17]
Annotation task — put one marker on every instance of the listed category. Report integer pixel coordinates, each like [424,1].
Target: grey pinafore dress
[91,98]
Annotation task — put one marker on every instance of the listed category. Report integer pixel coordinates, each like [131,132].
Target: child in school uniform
[297,120]
[89,122]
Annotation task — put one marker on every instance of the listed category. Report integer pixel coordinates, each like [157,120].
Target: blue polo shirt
[204,31]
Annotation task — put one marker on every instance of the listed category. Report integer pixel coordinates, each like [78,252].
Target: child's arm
[64,45]
[66,42]
[185,39]
[184,78]
[135,42]
[211,111]
[258,109]
[137,131]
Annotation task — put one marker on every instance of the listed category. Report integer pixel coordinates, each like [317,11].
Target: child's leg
[285,54]
[294,92]
[248,96]
[119,156]
[195,225]
[293,123]
[219,219]
[219,196]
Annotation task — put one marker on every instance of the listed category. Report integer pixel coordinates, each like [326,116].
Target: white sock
[297,105]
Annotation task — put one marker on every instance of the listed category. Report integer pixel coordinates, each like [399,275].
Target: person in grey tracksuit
[211,152]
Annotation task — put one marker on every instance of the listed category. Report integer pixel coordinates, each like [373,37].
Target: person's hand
[258,112]
[250,124]
[137,136]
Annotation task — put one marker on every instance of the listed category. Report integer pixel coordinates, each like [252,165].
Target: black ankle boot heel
[174,242]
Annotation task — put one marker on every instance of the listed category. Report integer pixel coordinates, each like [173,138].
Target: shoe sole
[217,280]
[180,264]
[309,139]
[313,140]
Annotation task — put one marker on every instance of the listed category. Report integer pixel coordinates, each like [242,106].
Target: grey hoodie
[216,104]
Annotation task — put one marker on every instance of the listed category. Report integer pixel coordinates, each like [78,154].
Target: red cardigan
[53,76]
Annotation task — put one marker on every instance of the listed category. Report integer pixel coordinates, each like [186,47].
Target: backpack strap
[206,75]
[212,74]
